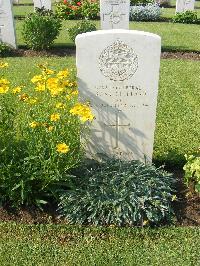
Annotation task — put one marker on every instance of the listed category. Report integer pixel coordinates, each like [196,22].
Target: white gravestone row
[114,14]
[119,76]
[42,3]
[184,5]
[7,30]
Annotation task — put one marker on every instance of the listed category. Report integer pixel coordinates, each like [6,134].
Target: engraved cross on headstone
[115,15]
[117,126]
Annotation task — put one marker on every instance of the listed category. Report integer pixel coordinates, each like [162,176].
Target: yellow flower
[145,222]
[83,111]
[3,65]
[34,124]
[50,128]
[47,71]
[4,89]
[62,148]
[60,105]
[33,100]
[55,117]
[75,92]
[17,90]
[63,74]
[23,97]
[4,82]
[40,87]
[37,78]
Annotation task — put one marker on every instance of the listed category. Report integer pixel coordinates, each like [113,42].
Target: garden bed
[187,210]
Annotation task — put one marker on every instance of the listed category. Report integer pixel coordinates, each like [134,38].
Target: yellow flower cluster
[4,85]
[56,84]
[83,111]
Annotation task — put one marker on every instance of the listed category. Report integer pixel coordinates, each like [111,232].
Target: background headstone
[184,5]
[7,30]
[42,3]
[119,76]
[114,14]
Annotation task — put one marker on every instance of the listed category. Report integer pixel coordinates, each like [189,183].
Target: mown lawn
[182,37]
[58,245]
[178,113]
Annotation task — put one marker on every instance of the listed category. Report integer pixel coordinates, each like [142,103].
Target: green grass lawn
[182,37]
[178,113]
[48,245]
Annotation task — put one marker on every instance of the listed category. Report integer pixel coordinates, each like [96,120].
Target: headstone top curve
[117,31]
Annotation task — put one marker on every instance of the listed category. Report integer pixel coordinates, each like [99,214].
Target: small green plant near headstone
[192,170]
[188,17]
[81,27]
[40,29]
[5,49]
[120,193]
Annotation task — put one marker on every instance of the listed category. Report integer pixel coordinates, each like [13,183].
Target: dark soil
[181,55]
[71,51]
[187,210]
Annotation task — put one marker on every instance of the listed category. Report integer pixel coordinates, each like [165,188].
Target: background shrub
[81,27]
[120,193]
[78,9]
[150,12]
[5,49]
[188,17]
[40,29]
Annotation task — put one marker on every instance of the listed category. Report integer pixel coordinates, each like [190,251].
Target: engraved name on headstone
[119,77]
[42,3]
[184,5]
[114,14]
[7,30]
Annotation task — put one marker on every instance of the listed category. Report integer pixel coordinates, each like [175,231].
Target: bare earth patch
[71,51]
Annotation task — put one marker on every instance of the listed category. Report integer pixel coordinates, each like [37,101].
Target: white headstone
[114,14]
[184,5]
[7,30]
[119,76]
[42,3]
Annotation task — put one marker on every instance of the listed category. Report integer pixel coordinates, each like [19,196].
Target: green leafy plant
[5,49]
[188,17]
[120,193]
[40,29]
[40,130]
[192,170]
[81,27]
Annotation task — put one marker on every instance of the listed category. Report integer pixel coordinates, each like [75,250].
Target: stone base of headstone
[118,73]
